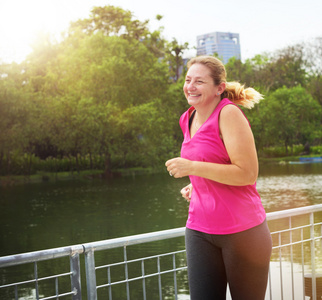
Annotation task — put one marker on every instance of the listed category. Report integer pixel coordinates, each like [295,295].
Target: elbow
[251,178]
[252,182]
[247,173]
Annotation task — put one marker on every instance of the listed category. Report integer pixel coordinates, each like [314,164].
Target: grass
[47,176]
[42,176]
[87,174]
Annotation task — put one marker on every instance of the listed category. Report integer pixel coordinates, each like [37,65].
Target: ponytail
[237,93]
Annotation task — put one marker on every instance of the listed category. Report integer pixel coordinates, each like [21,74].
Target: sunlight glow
[22,21]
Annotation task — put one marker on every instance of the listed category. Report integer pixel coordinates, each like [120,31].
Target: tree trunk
[286,148]
[108,171]
[77,163]
[90,161]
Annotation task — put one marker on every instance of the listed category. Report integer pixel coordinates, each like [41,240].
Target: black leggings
[240,259]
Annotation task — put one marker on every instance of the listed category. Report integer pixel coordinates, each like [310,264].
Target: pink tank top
[217,208]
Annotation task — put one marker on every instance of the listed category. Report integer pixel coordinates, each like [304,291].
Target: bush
[316,150]
[281,151]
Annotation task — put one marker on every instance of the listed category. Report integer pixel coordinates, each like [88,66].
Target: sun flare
[21,22]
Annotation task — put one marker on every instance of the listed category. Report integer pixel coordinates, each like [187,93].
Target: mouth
[193,95]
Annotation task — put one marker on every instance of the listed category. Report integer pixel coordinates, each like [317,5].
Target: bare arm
[240,145]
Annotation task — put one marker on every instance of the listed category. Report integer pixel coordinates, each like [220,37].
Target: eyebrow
[198,77]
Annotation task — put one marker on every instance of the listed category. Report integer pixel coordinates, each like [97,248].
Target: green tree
[175,52]
[290,116]
[313,54]
[105,78]
[268,72]
[17,118]
[241,72]
[115,21]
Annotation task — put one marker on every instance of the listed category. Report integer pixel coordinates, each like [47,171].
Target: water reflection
[73,212]
[283,192]
[288,186]
[53,214]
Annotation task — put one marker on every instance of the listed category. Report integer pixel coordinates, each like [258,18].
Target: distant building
[225,44]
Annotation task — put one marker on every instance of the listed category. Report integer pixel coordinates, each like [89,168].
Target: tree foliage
[111,89]
[290,117]
[115,21]
[313,55]
[174,57]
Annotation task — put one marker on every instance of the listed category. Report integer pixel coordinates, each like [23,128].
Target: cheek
[185,89]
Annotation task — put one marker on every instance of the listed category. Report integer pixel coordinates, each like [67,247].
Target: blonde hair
[234,91]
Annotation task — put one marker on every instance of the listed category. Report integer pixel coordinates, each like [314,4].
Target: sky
[264,26]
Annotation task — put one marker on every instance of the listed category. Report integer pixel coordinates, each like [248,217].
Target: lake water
[52,214]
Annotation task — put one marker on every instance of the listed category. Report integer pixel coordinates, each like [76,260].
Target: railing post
[36,278]
[90,274]
[175,276]
[126,270]
[159,278]
[291,252]
[75,278]
[313,255]
[281,265]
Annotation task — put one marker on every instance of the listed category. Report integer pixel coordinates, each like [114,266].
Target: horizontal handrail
[135,239]
[292,212]
[41,255]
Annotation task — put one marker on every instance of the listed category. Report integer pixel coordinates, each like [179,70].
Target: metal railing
[294,273]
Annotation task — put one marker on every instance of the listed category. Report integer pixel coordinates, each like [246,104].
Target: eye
[199,81]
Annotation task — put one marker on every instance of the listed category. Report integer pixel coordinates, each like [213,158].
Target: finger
[184,192]
[170,168]
[168,162]
[188,198]
[176,174]
[185,197]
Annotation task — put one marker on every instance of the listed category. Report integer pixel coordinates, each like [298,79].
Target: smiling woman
[218,154]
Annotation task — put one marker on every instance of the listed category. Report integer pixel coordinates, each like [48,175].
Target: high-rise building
[225,44]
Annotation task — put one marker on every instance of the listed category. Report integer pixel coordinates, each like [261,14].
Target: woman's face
[199,87]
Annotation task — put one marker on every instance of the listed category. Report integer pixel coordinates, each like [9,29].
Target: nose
[191,85]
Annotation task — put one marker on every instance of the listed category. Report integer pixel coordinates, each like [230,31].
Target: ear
[221,87]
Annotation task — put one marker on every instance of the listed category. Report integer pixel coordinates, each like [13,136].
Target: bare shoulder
[232,114]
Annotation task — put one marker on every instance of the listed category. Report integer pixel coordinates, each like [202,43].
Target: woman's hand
[186,192]
[178,167]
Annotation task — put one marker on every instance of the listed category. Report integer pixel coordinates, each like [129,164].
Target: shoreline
[11,180]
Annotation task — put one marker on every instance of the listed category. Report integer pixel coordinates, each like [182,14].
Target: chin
[192,100]
[193,103]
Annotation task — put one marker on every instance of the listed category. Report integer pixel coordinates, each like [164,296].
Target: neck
[203,113]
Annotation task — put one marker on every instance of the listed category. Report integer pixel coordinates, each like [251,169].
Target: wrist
[192,168]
